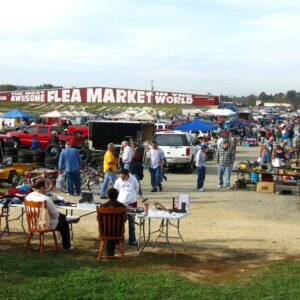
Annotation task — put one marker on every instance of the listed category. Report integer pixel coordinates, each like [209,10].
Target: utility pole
[152,90]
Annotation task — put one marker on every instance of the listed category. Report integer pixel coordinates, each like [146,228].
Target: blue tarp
[17,113]
[196,125]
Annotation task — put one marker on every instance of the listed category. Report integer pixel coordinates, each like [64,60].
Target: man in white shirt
[126,155]
[57,220]
[128,188]
[156,160]
[200,165]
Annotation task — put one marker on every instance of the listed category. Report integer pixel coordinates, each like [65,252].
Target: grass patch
[67,276]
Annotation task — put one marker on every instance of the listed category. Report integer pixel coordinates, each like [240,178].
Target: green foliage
[8,87]
[46,86]
[64,276]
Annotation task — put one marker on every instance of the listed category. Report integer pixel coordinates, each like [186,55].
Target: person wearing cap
[70,161]
[200,165]
[225,160]
[53,138]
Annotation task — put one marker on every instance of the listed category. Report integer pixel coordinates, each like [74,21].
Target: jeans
[201,177]
[131,224]
[126,166]
[138,179]
[224,170]
[290,142]
[109,177]
[74,179]
[155,177]
[63,228]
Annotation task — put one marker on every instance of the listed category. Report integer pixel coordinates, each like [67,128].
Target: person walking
[110,168]
[225,160]
[137,170]
[156,160]
[126,156]
[70,161]
[200,165]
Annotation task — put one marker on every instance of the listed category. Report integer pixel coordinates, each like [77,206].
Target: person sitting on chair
[112,194]
[58,221]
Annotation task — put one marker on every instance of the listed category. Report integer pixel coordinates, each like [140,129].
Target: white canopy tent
[143,116]
[221,112]
[54,115]
[122,116]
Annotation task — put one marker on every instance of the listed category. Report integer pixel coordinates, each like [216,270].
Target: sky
[225,47]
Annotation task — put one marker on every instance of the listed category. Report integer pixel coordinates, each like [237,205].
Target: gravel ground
[222,222]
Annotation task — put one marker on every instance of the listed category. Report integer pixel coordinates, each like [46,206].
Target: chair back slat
[111,222]
[33,212]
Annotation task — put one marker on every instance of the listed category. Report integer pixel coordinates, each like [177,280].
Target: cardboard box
[265,187]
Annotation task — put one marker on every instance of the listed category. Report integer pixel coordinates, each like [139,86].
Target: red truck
[24,138]
[79,130]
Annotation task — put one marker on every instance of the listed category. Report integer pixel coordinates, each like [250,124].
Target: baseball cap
[204,146]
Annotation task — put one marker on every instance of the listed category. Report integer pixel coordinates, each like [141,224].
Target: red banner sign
[107,96]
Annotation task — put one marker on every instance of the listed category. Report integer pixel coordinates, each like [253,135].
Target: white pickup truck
[178,147]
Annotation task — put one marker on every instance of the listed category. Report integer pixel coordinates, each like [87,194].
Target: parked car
[24,138]
[178,147]
[79,130]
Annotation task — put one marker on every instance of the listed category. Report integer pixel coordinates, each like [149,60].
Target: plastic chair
[4,213]
[111,226]
[33,212]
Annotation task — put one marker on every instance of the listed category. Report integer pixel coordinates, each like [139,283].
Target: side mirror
[25,131]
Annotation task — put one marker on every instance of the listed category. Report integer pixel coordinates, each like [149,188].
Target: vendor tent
[55,115]
[222,112]
[143,116]
[196,125]
[122,116]
[17,114]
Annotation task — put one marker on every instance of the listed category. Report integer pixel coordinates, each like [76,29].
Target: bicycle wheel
[48,184]
[95,183]
[23,181]
[64,187]
[84,180]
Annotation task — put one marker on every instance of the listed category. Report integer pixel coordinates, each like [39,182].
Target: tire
[24,153]
[25,159]
[39,152]
[50,151]
[14,158]
[12,177]
[85,155]
[10,151]
[9,144]
[96,162]
[78,132]
[16,142]
[190,166]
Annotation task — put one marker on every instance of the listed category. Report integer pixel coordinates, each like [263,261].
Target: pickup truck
[178,147]
[79,130]
[24,138]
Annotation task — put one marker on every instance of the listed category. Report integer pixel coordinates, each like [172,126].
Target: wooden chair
[111,226]
[4,213]
[33,212]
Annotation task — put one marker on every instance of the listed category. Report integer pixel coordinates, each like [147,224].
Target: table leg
[178,231]
[148,238]
[141,227]
[160,230]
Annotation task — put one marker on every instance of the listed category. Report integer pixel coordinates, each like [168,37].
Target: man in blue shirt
[70,161]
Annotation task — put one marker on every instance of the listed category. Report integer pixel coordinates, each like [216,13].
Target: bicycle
[95,181]
[83,178]
[28,180]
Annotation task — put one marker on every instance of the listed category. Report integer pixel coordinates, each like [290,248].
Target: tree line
[12,87]
[291,96]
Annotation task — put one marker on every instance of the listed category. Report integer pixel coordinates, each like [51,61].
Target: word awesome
[106,96]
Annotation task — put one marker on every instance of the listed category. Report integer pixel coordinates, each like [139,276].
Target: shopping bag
[259,160]
[59,182]
[44,220]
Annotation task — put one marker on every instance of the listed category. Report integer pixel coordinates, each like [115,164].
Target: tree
[47,86]
[291,95]
[8,87]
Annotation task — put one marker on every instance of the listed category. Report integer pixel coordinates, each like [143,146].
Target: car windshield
[171,140]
